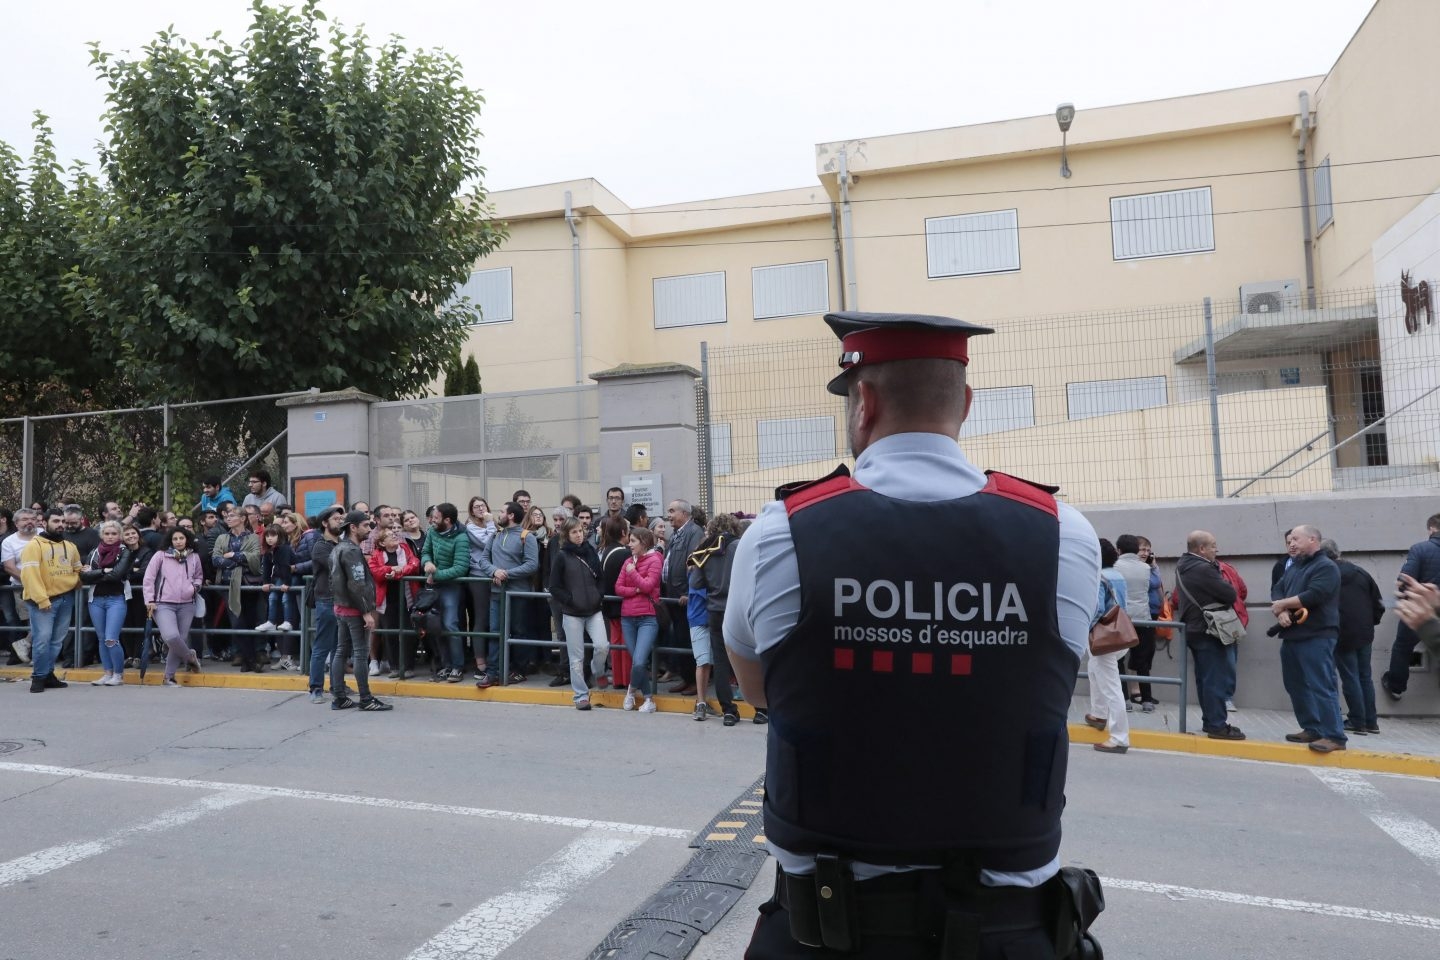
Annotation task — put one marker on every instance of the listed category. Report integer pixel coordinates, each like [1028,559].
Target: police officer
[917,691]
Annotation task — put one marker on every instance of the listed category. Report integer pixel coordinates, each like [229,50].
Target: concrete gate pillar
[329,437]
[648,441]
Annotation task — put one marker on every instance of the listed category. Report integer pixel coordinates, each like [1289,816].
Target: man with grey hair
[684,539]
[1307,608]
[12,611]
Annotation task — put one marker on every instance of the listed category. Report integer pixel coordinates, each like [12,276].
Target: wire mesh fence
[1134,404]
[157,455]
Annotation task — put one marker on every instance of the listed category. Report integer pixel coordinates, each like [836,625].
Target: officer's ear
[969,398]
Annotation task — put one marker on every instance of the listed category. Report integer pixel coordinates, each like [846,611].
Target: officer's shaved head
[905,396]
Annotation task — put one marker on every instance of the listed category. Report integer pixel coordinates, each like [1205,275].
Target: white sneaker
[266,627]
[374,668]
[288,664]
[103,681]
[648,706]
[284,626]
[116,680]
[629,700]
[1230,707]
[22,650]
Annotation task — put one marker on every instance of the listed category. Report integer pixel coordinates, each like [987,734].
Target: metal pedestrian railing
[1182,668]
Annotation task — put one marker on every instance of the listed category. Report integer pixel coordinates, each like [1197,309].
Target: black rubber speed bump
[731,851]
[644,939]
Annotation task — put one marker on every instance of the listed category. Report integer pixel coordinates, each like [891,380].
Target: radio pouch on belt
[835,902]
[1079,901]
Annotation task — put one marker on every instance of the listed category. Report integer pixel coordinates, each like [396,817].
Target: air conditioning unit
[1270,296]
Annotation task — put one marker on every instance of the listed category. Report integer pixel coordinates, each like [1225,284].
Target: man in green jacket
[445,558]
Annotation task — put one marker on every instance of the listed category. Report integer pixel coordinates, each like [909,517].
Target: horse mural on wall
[1417,300]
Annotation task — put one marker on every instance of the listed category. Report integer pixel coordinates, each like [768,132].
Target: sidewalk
[1405,746]
[1409,746]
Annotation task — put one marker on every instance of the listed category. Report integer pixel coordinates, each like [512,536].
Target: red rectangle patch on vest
[882,661]
[922,662]
[960,664]
[844,659]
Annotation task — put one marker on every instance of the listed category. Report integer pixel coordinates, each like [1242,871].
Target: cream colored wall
[736,253]
[1377,103]
[1157,454]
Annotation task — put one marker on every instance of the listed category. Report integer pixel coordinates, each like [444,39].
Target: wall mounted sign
[313,494]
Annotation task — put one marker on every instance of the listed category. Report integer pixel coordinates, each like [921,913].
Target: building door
[1372,408]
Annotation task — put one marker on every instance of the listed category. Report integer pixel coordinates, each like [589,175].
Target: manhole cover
[10,746]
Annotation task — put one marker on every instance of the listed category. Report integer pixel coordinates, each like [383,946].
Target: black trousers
[772,941]
[1400,652]
[1140,657]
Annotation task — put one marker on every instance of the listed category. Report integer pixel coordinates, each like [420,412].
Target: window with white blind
[1324,199]
[1162,224]
[790,289]
[720,456]
[995,409]
[798,440]
[490,290]
[972,243]
[1096,398]
[689,301]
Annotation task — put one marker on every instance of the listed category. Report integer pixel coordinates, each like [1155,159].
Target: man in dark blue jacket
[1422,563]
[1307,607]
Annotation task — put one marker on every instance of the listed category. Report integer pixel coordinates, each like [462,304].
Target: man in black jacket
[1202,585]
[1422,563]
[1307,607]
[1360,610]
[675,585]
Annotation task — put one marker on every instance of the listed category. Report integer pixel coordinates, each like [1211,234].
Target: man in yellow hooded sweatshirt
[49,571]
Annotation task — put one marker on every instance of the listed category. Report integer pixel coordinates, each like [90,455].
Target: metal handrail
[1333,447]
[1182,681]
[1307,445]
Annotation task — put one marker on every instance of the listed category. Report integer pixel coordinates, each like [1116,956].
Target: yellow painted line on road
[1268,751]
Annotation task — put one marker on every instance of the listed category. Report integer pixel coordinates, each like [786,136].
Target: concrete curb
[1263,750]
[383,687]
[1270,752]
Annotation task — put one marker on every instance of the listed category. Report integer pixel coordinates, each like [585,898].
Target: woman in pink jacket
[171,582]
[638,587]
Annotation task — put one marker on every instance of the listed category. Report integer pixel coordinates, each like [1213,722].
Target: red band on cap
[881,345]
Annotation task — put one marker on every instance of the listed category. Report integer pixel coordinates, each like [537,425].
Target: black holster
[1078,901]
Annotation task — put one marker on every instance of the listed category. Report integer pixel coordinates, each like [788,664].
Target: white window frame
[1324,198]
[485,317]
[822,305]
[1117,208]
[721,465]
[1017,396]
[1137,384]
[676,284]
[935,228]
[824,426]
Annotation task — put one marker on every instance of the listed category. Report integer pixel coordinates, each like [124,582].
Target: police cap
[869,338]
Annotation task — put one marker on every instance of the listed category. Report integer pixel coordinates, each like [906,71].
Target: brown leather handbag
[1114,630]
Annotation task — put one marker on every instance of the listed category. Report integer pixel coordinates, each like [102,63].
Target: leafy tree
[285,213]
[46,360]
[472,375]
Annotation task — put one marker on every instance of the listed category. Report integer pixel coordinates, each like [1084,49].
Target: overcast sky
[667,102]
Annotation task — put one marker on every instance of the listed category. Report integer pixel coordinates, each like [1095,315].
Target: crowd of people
[387,590]
[613,578]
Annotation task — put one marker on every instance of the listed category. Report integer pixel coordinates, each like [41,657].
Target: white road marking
[62,855]
[1274,903]
[256,789]
[1412,833]
[494,925]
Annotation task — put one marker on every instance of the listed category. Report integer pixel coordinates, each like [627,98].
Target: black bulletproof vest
[918,708]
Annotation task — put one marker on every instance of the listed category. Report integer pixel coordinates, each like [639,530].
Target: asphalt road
[154,823]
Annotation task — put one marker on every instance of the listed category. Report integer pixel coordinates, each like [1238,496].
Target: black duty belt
[831,909]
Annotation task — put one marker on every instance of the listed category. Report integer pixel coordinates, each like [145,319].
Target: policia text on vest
[932,604]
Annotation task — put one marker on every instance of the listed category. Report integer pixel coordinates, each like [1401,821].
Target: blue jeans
[47,631]
[453,656]
[1308,669]
[1213,676]
[1232,654]
[282,607]
[323,644]
[639,634]
[1359,687]
[107,616]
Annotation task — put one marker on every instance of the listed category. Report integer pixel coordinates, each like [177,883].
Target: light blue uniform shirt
[764,602]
